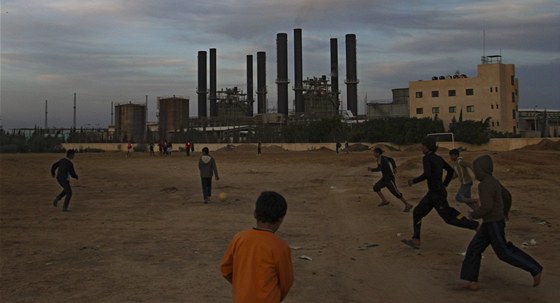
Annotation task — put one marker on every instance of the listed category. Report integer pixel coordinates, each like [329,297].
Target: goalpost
[445,137]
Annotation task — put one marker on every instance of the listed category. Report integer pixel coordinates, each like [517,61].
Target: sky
[124,50]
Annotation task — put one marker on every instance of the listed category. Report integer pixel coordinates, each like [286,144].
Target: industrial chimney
[298,71]
[351,74]
[250,99]
[282,72]
[334,68]
[261,82]
[202,90]
[213,106]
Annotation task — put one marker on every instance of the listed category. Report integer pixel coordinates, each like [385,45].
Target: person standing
[128,149]
[492,231]
[152,149]
[259,148]
[188,148]
[64,169]
[258,263]
[208,169]
[388,168]
[461,168]
[436,197]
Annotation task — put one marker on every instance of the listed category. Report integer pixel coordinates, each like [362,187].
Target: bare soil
[139,231]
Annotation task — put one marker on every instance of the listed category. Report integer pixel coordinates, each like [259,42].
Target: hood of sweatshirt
[482,167]
[205,159]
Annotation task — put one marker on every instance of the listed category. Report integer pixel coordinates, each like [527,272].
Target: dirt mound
[545,144]
[273,149]
[387,147]
[412,147]
[322,149]
[359,147]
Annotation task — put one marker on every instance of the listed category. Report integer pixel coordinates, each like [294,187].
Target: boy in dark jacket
[492,230]
[388,168]
[437,194]
[64,169]
[208,169]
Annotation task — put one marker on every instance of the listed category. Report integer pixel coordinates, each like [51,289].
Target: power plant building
[492,94]
[130,122]
[319,100]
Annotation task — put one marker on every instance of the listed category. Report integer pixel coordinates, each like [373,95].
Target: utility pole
[46,114]
[74,123]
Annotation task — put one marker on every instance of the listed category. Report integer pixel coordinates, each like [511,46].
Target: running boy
[208,169]
[492,230]
[64,169]
[437,194]
[461,168]
[257,263]
[388,168]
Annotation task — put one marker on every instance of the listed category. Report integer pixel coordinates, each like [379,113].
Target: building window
[469,91]
[435,93]
[435,110]
[418,94]
[497,123]
[452,109]
[470,108]
[419,111]
[491,89]
[497,106]
[492,123]
[512,79]
[513,97]
[451,93]
[496,89]
[491,106]
[513,113]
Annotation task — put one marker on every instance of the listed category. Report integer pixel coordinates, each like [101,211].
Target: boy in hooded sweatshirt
[208,169]
[492,230]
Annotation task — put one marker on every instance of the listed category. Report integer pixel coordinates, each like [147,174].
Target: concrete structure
[397,108]
[539,122]
[492,94]
[319,100]
[173,116]
[130,122]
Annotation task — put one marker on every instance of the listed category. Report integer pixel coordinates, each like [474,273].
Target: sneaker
[383,203]
[407,208]
[55,202]
[66,210]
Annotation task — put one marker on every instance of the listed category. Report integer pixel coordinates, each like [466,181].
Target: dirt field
[139,231]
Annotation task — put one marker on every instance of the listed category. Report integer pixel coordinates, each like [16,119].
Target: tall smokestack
[282,72]
[298,71]
[213,106]
[250,99]
[334,68]
[201,91]
[351,74]
[261,82]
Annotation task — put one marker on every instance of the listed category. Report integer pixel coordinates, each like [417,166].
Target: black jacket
[65,169]
[433,172]
[386,165]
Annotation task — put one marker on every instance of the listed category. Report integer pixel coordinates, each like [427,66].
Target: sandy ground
[139,231]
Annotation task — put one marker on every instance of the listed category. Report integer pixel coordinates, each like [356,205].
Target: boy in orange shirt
[257,263]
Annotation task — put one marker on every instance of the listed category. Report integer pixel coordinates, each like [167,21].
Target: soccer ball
[222,196]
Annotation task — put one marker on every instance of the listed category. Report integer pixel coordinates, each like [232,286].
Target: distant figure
[208,169]
[192,147]
[259,148]
[337,147]
[388,168]
[128,149]
[64,169]
[257,263]
[437,194]
[346,147]
[169,148]
[152,149]
[188,148]
[492,231]
[461,168]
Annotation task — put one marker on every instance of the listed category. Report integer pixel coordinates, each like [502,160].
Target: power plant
[130,122]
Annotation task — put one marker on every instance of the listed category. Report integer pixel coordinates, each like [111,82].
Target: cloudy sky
[122,50]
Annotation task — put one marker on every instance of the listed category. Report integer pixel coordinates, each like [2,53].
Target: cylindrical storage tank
[130,122]
[173,116]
